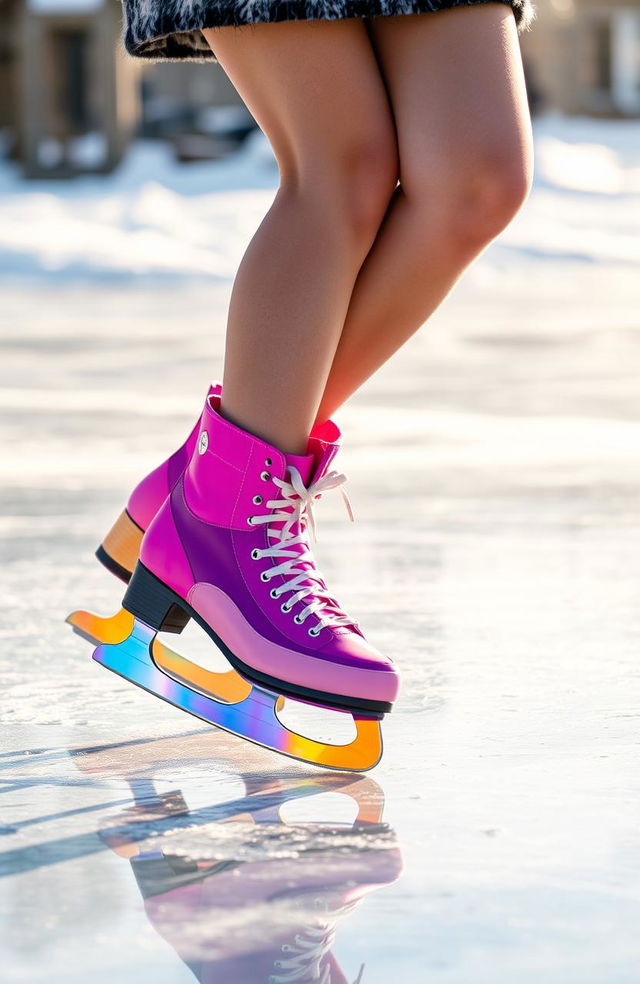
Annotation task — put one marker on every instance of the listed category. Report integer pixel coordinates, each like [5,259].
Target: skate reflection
[243,891]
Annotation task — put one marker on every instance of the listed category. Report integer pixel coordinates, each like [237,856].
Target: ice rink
[494,471]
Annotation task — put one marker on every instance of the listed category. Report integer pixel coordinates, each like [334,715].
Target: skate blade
[227,686]
[254,716]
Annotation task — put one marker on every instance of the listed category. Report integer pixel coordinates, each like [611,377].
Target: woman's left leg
[456,86]
[315,89]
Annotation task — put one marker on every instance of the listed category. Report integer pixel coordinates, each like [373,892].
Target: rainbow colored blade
[253,714]
[227,686]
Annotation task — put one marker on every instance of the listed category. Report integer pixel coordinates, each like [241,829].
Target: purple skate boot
[230,549]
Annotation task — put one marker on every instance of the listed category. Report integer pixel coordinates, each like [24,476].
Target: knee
[474,203]
[498,186]
[352,186]
[368,175]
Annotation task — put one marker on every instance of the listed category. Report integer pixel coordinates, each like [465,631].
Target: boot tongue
[304,463]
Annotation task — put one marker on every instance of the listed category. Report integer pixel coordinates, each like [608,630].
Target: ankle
[285,436]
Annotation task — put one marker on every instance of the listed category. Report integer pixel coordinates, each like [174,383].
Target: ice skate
[210,558]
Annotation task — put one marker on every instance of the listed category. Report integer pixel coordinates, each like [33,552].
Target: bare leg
[315,89]
[456,86]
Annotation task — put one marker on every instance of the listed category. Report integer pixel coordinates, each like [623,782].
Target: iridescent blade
[227,686]
[253,717]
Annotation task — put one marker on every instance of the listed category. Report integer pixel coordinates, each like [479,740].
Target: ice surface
[496,556]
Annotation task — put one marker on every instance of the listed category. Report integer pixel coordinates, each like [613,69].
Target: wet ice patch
[240,840]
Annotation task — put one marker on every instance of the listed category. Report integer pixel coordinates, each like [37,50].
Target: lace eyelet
[274,593]
[297,620]
[268,462]
[255,554]
[313,632]
[285,608]
[257,500]
[250,520]
[264,576]
[265,476]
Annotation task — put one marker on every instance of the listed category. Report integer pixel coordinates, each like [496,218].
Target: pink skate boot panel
[356,675]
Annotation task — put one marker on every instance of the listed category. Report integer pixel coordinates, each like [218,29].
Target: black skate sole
[112,565]
[150,600]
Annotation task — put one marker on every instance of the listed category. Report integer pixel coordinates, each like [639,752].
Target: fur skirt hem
[170,30]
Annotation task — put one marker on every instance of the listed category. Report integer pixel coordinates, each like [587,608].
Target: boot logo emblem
[203,443]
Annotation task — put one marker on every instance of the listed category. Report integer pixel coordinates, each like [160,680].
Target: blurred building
[71,99]
[583,56]
[68,101]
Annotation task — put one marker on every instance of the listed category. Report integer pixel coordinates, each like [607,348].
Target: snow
[154,217]
[494,471]
[64,6]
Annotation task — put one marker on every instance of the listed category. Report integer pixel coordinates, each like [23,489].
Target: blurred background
[80,121]
[72,102]
[495,556]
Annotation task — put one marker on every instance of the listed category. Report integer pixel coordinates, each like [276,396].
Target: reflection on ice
[242,888]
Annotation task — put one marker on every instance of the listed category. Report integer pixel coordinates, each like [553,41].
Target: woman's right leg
[316,91]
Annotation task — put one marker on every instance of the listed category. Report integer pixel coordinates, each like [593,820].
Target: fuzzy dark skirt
[169,30]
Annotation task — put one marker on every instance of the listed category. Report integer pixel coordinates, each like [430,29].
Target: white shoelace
[293,508]
[308,950]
